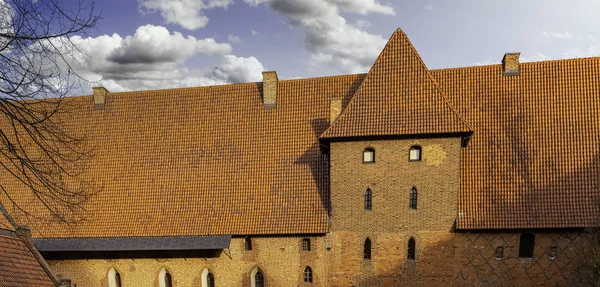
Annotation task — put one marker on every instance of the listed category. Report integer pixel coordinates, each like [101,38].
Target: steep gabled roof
[397,97]
[534,158]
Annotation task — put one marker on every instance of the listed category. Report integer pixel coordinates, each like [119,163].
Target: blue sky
[152,44]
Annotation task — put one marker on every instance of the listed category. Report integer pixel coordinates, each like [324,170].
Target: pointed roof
[397,97]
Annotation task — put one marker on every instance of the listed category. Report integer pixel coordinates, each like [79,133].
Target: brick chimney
[100,94]
[510,64]
[270,84]
[335,109]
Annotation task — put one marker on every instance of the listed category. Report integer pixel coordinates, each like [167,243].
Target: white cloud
[591,38]
[233,38]
[254,33]
[152,44]
[329,38]
[186,13]
[428,7]
[362,24]
[153,58]
[363,6]
[556,35]
[238,70]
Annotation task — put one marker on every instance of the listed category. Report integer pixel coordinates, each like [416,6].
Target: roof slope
[18,266]
[205,161]
[534,158]
[397,97]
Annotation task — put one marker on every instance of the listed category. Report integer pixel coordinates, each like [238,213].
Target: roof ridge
[521,63]
[345,109]
[403,37]
[229,84]
[435,83]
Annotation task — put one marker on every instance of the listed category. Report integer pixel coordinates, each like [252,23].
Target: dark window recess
[248,244]
[411,248]
[526,245]
[413,198]
[369,155]
[259,280]
[118,279]
[367,251]
[414,153]
[210,280]
[305,244]
[168,280]
[552,253]
[368,199]
[499,253]
[308,275]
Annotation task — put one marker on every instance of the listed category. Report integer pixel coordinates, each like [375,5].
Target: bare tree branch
[36,149]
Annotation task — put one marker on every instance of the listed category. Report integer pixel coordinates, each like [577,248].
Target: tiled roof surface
[5,224]
[213,161]
[18,265]
[132,243]
[205,161]
[534,158]
[397,97]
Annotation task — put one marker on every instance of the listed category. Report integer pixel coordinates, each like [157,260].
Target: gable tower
[394,174]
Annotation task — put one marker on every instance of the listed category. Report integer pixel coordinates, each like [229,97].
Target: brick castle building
[474,176]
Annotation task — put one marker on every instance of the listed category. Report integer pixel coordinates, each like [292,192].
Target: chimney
[100,94]
[335,109]
[270,83]
[510,64]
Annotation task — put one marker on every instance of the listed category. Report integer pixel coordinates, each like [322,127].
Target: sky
[157,44]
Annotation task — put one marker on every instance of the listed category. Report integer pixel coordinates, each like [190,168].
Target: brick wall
[391,223]
[280,259]
[443,257]
[476,263]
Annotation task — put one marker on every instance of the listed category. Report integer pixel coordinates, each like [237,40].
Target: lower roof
[132,243]
[19,267]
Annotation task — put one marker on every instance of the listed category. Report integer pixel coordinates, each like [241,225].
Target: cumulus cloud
[238,70]
[254,33]
[233,38]
[154,58]
[329,38]
[363,6]
[186,13]
[428,7]
[154,44]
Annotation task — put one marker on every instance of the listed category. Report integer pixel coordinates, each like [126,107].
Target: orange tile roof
[5,223]
[212,160]
[205,161]
[397,97]
[534,158]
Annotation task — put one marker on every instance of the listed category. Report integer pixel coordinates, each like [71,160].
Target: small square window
[499,253]
[552,253]
[414,154]
[368,155]
[305,244]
